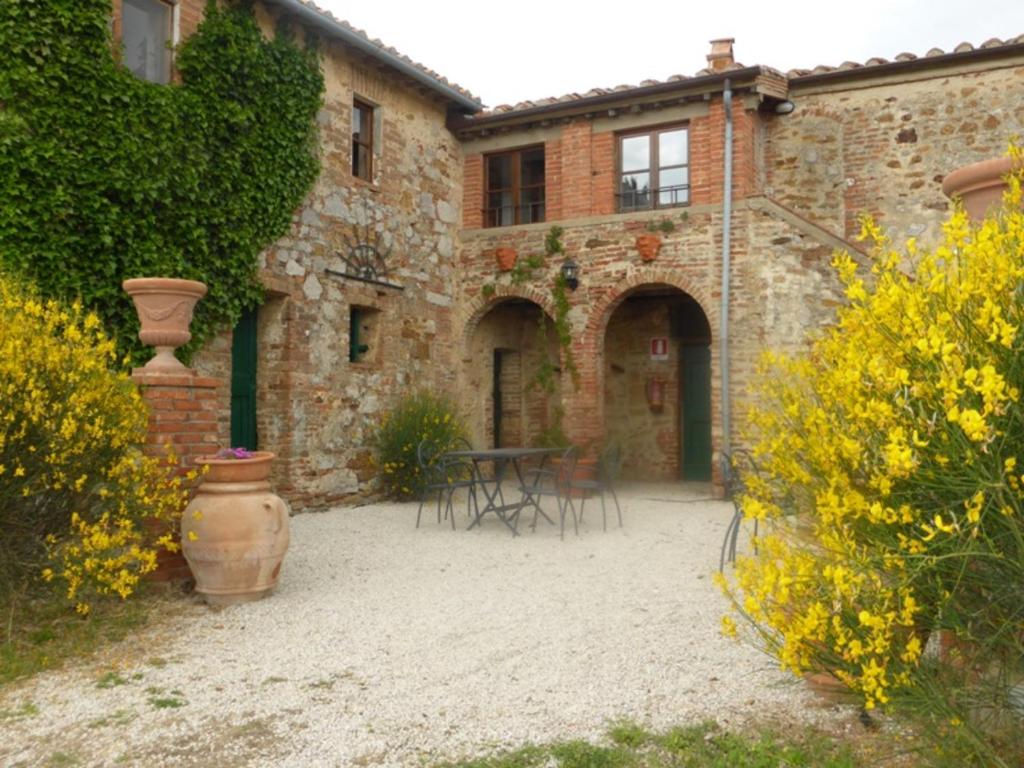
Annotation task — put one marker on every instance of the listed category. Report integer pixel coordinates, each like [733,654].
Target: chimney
[720,57]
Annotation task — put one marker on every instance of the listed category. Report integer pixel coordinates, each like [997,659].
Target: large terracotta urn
[234,533]
[165,307]
[979,185]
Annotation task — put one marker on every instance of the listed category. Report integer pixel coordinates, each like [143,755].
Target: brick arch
[480,305]
[587,422]
[602,308]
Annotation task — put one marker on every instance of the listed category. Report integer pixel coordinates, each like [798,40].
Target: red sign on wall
[659,348]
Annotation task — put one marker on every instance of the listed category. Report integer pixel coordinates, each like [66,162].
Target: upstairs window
[654,169]
[146,34]
[362,140]
[514,187]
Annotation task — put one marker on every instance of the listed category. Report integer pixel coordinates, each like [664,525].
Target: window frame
[170,42]
[654,168]
[517,187]
[368,124]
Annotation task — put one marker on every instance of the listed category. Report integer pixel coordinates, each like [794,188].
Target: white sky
[506,52]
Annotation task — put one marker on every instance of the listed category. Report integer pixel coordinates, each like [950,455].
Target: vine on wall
[521,273]
[107,177]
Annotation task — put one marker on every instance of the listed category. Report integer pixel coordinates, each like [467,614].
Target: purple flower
[235,453]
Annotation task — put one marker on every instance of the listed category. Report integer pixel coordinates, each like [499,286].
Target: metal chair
[554,482]
[604,473]
[444,476]
[734,466]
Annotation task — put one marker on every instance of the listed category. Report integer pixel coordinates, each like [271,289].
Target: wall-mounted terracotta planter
[506,258]
[979,185]
[165,309]
[234,533]
[648,246]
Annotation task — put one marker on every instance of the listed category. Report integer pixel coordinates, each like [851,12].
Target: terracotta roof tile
[792,73]
[965,47]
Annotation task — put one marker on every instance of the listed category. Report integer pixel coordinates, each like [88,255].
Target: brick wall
[183,414]
[783,286]
[581,165]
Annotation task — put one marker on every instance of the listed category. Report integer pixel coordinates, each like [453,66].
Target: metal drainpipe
[723,344]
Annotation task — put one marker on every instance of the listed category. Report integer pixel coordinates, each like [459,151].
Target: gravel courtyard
[391,646]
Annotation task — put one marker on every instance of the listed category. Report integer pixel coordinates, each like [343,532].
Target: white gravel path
[385,645]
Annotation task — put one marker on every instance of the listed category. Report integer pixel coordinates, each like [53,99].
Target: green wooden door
[243,382]
[696,412]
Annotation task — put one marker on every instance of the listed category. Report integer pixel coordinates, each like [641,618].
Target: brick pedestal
[182,414]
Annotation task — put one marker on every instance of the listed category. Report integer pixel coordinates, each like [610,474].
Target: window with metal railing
[514,187]
[654,169]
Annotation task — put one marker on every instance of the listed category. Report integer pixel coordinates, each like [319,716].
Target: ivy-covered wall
[315,408]
[107,177]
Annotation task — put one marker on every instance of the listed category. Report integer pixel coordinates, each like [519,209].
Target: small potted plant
[648,246]
[506,258]
[234,533]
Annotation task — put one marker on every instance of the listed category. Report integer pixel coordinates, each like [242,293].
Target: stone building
[415,172]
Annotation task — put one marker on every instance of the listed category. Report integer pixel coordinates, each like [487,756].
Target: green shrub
[422,416]
[74,485]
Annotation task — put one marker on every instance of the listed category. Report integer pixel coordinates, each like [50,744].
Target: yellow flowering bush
[74,485]
[421,416]
[890,476]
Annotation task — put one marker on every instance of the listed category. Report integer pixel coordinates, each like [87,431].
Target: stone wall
[884,145]
[315,408]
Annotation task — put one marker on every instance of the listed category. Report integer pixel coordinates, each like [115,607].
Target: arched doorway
[506,401]
[657,385]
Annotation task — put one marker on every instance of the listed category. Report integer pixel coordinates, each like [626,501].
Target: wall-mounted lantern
[571,274]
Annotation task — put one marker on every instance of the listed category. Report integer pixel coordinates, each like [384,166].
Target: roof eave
[899,67]
[743,77]
[347,36]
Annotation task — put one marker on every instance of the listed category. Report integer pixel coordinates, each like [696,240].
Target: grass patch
[24,710]
[41,632]
[698,746]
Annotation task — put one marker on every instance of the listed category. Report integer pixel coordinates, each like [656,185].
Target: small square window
[146,34]
[362,140]
[363,334]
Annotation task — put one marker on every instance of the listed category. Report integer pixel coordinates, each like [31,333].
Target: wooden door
[243,382]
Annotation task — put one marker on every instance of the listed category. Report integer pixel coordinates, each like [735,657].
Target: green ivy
[107,177]
[521,273]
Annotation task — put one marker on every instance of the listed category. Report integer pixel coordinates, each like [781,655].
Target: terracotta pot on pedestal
[506,258]
[234,533]
[165,309]
[648,246]
[979,185]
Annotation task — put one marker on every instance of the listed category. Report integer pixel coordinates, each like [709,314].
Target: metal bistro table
[507,512]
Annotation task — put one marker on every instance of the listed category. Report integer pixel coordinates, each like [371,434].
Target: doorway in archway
[657,353]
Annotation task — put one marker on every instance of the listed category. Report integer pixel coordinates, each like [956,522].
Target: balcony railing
[650,199]
[507,215]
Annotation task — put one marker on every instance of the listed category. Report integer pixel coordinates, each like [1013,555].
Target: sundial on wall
[365,257]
